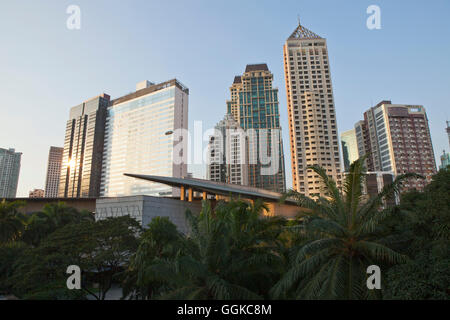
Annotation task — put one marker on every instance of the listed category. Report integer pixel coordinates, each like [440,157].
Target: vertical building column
[182,193]
[190,192]
[204,195]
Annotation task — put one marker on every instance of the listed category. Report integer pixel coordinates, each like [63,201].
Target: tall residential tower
[254,105]
[311,111]
[396,138]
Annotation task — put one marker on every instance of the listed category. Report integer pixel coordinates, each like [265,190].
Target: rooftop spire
[303,33]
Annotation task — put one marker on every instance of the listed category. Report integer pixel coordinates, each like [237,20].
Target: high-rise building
[83,149]
[374,182]
[55,156]
[254,105]
[349,148]
[311,110]
[445,160]
[9,172]
[144,135]
[36,193]
[397,139]
[227,153]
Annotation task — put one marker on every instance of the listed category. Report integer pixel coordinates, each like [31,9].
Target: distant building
[375,182]
[254,105]
[448,131]
[311,110]
[36,193]
[349,148]
[55,157]
[9,172]
[144,134]
[83,149]
[227,153]
[445,160]
[396,138]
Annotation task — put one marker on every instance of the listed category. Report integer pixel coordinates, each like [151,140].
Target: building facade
[55,157]
[311,110]
[83,148]
[349,148]
[227,153]
[254,105]
[36,193]
[144,134]
[9,172]
[397,139]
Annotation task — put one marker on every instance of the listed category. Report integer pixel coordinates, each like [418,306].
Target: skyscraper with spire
[311,110]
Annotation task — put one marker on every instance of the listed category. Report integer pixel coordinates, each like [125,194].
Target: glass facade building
[143,135]
[349,147]
[9,172]
[83,149]
[254,104]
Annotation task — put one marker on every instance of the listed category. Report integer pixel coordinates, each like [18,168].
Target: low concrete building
[145,208]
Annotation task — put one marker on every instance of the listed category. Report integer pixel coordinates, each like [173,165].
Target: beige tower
[311,112]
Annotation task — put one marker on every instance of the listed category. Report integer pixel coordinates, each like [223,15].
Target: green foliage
[342,236]
[233,251]
[53,216]
[422,231]
[12,222]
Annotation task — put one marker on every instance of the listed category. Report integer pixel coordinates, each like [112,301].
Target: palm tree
[341,237]
[11,220]
[231,254]
[146,276]
[53,216]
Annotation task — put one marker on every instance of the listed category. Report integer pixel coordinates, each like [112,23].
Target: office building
[36,193]
[9,172]
[311,110]
[397,139]
[55,156]
[254,105]
[349,148]
[144,134]
[227,153]
[83,149]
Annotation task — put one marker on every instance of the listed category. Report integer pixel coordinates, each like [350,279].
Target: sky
[46,68]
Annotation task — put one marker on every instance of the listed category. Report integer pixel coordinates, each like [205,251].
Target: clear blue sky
[45,68]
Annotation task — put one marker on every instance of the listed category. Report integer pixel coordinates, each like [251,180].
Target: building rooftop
[303,33]
[150,89]
[256,67]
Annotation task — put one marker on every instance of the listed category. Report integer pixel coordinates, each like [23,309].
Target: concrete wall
[145,208]
[37,204]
